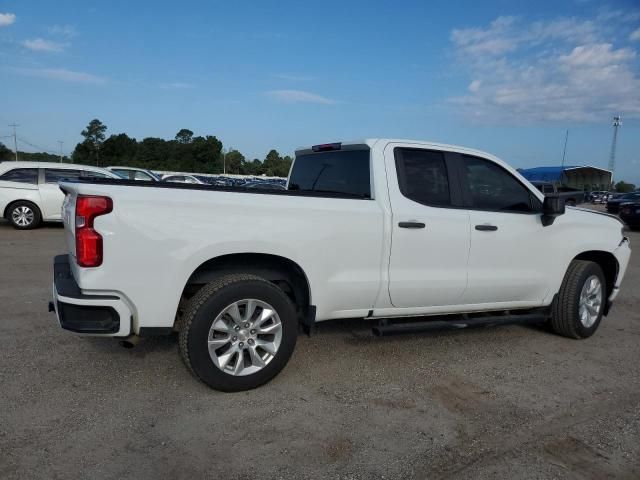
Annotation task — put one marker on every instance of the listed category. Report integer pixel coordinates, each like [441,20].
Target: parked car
[379,229]
[599,197]
[571,196]
[265,185]
[132,173]
[183,179]
[29,192]
[630,213]
[613,204]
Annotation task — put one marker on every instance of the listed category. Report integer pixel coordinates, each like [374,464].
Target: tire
[24,215]
[211,306]
[570,203]
[566,310]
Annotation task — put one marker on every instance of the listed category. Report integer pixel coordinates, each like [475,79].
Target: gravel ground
[505,402]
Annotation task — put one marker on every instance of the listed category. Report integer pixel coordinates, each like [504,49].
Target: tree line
[185,153]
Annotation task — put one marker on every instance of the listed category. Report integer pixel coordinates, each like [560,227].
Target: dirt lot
[508,402]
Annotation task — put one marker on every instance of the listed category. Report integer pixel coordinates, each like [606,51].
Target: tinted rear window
[22,175]
[343,172]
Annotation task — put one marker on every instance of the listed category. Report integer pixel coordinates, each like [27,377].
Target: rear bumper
[102,314]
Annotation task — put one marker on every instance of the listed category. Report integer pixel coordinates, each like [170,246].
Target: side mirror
[552,206]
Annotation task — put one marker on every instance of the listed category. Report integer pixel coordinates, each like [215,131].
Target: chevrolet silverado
[408,234]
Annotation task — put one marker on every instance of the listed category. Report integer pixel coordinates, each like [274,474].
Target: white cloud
[475,85]
[68,31]
[299,96]
[635,35]
[176,86]
[42,45]
[7,19]
[558,70]
[61,74]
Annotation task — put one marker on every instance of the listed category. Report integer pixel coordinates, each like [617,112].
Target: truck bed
[215,188]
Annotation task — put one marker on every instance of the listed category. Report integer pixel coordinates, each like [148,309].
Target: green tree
[119,150]
[207,155]
[5,153]
[184,136]
[233,160]
[155,154]
[624,187]
[254,167]
[276,166]
[94,135]
[83,153]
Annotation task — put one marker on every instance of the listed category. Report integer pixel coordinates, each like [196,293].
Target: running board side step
[387,326]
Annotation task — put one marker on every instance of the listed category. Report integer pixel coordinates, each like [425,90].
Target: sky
[506,76]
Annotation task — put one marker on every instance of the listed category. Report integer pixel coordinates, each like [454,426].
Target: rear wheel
[24,215]
[238,332]
[577,310]
[570,203]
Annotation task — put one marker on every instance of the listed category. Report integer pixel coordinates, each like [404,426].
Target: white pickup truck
[379,229]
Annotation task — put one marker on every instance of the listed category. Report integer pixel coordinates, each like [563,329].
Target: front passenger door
[508,261]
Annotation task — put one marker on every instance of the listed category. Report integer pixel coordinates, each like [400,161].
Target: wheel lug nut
[246,325]
[241,344]
[234,338]
[253,332]
[250,342]
[237,328]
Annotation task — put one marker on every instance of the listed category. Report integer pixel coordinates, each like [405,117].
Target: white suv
[29,191]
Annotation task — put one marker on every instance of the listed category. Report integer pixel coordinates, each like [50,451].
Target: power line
[42,149]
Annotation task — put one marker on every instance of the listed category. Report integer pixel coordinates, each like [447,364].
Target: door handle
[486,228]
[411,225]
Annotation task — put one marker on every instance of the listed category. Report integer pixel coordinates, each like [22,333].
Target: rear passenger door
[50,193]
[429,231]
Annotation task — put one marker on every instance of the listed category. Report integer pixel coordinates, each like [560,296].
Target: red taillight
[88,241]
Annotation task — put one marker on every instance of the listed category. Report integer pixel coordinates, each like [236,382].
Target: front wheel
[238,332]
[578,308]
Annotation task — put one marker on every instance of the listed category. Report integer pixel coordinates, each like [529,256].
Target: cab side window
[492,188]
[423,176]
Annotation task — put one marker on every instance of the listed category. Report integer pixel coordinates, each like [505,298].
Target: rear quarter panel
[155,238]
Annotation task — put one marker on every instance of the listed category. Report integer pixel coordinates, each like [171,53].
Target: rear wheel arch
[281,271]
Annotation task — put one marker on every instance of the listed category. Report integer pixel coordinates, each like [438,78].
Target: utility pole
[15,139]
[617,121]
[564,152]
[60,142]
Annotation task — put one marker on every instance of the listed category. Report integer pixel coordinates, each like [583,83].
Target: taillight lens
[88,241]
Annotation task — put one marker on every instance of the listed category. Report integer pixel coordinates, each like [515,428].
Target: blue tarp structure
[545,174]
[582,177]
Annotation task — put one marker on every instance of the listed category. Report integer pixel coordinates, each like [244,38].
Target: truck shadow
[349,331]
